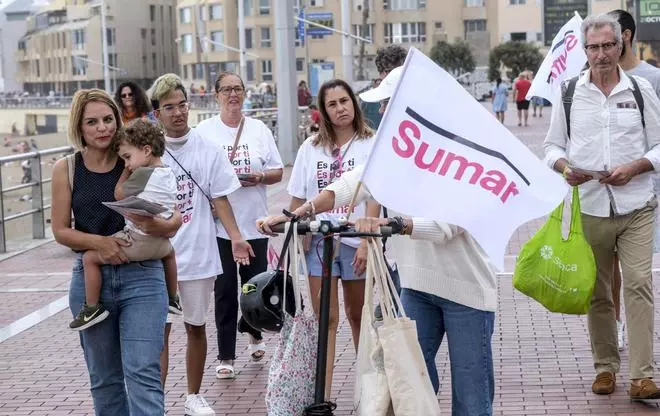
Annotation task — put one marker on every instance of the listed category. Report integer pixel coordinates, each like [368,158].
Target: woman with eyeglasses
[251,149]
[343,142]
[133,103]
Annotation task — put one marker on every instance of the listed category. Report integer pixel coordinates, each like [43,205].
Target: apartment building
[62,49]
[203,26]
[12,26]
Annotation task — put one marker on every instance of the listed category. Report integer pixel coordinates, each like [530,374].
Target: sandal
[257,351]
[225,372]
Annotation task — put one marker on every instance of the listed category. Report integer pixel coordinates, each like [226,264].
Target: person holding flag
[448,283]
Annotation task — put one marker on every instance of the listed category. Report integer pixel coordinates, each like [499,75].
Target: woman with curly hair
[132,102]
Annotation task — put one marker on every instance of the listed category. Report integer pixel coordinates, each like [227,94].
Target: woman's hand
[110,252]
[360,259]
[370,225]
[264,225]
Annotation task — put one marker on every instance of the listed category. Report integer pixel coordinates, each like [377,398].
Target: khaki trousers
[632,235]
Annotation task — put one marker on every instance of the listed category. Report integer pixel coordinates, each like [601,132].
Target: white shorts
[196,298]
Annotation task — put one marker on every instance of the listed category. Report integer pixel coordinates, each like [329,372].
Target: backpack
[568,90]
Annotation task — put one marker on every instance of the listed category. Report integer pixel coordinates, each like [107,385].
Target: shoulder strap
[191,177]
[238,137]
[567,93]
[637,93]
[71,166]
[384,238]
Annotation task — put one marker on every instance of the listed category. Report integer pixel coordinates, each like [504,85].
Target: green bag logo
[548,254]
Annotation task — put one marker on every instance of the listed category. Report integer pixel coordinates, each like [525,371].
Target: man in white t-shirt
[205,178]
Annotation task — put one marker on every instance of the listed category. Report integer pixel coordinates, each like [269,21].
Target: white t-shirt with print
[315,168]
[256,153]
[195,243]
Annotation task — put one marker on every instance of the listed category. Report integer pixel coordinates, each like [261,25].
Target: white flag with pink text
[440,154]
[564,60]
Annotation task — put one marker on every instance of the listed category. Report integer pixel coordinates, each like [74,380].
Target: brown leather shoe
[646,390]
[604,383]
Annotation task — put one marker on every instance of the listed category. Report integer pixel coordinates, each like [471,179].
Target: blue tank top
[90,189]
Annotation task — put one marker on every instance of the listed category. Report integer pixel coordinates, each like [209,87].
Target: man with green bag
[604,139]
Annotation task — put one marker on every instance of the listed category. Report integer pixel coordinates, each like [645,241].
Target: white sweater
[442,259]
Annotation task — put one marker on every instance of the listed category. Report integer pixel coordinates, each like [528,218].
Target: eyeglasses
[228,90]
[129,95]
[594,48]
[170,108]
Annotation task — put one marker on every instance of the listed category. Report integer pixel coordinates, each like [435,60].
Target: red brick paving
[542,360]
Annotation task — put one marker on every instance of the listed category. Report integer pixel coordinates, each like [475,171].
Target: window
[264,7]
[201,9]
[217,37]
[248,38]
[184,15]
[300,64]
[404,4]
[517,2]
[357,5]
[143,33]
[48,65]
[59,65]
[152,13]
[36,63]
[215,11]
[249,69]
[267,70]
[78,39]
[519,36]
[474,3]
[154,62]
[438,25]
[79,65]
[247,7]
[265,37]
[153,37]
[111,36]
[185,71]
[199,71]
[112,59]
[357,30]
[186,43]
[478,25]
[406,32]
[316,3]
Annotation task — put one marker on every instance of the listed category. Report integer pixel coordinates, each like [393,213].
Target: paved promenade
[542,360]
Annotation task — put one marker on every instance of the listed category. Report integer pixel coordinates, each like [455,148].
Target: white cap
[385,89]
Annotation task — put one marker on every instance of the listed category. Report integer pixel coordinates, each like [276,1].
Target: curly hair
[390,57]
[139,98]
[139,134]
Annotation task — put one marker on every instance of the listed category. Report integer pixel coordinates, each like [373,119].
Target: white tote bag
[408,379]
[372,392]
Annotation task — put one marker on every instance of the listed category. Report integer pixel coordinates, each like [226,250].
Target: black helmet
[261,300]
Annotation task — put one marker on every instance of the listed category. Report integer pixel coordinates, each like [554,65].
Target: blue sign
[319,73]
[301,26]
[322,18]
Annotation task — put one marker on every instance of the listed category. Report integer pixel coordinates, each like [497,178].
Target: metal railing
[34,181]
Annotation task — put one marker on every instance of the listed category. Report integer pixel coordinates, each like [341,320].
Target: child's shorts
[342,265]
[144,247]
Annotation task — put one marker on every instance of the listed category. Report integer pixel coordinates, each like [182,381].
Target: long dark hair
[326,136]
[142,105]
[498,81]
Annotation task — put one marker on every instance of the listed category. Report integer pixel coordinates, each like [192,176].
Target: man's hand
[242,251]
[251,179]
[620,176]
[575,178]
[264,224]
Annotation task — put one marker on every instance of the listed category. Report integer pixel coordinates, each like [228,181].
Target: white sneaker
[196,405]
[620,334]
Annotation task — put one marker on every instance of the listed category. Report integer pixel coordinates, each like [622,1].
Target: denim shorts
[342,265]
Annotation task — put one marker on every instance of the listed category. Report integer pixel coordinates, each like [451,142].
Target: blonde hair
[164,86]
[80,100]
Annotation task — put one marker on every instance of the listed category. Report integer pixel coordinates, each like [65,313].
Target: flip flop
[257,351]
[225,372]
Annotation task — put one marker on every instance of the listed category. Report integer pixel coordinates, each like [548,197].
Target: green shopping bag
[559,274]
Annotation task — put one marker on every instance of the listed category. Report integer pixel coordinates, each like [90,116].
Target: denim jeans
[469,333]
[123,351]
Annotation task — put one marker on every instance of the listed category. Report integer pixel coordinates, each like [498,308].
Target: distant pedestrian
[500,93]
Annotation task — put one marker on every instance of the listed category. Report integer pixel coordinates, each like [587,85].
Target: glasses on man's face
[228,90]
[171,108]
[129,95]
[594,48]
